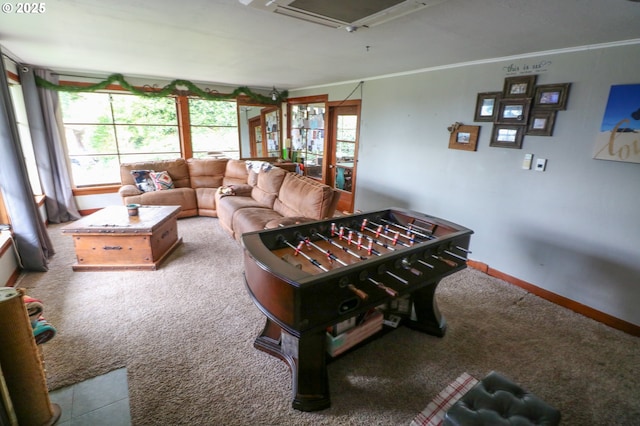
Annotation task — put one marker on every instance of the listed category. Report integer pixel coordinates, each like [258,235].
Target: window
[347,128]
[105,129]
[25,137]
[214,127]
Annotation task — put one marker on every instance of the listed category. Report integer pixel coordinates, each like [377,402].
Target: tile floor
[102,400]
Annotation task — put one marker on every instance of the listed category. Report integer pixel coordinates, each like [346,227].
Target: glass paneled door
[307,133]
[324,141]
[343,145]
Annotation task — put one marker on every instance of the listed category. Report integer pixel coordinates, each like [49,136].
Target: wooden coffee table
[110,239]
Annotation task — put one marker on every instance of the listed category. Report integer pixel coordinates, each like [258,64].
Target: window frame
[183,124]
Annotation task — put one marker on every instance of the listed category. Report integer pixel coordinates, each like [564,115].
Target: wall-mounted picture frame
[619,133]
[519,87]
[513,111]
[541,123]
[464,138]
[552,96]
[487,106]
[507,136]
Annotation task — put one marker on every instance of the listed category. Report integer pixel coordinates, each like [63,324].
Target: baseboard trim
[13,279]
[565,302]
[5,246]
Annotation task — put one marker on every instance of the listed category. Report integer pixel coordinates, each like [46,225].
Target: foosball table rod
[309,258]
[388,290]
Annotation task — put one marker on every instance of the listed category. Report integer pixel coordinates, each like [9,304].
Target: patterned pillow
[143,180]
[161,180]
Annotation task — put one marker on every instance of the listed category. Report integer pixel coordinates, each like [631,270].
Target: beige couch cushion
[206,172]
[235,173]
[267,186]
[251,219]
[302,196]
[226,207]
[206,198]
[206,175]
[183,197]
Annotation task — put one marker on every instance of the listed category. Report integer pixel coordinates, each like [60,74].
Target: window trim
[183,123]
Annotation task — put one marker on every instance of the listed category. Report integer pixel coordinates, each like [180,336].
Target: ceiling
[228,42]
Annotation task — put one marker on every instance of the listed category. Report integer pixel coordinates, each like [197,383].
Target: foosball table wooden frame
[306,278]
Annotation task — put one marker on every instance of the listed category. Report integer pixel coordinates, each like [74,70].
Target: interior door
[307,131]
[255,137]
[342,146]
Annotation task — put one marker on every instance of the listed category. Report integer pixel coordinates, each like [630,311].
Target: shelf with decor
[271,120]
[307,133]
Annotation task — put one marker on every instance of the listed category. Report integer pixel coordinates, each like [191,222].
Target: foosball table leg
[306,357]
[310,381]
[428,317]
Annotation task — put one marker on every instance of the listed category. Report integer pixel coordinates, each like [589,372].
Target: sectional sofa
[244,196]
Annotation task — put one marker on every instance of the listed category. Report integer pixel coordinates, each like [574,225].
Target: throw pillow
[161,180]
[143,180]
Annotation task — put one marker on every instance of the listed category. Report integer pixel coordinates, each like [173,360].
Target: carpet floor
[185,334]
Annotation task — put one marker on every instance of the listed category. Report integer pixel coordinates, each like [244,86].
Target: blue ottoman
[495,400]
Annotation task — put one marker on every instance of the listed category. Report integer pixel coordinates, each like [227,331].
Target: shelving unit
[23,388]
[307,133]
[271,120]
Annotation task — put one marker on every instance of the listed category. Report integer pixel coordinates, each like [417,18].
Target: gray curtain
[32,241]
[45,124]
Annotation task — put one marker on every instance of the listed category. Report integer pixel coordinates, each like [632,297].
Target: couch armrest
[243,190]
[129,190]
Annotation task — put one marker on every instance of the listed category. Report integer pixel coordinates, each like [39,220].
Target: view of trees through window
[346,137]
[105,129]
[214,121]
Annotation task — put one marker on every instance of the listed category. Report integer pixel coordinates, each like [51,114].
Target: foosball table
[306,278]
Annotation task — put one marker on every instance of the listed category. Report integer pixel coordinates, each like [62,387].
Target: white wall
[8,260]
[573,229]
[97,201]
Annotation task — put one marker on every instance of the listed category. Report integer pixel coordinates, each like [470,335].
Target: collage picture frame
[521,108]
[513,111]
[507,136]
[519,87]
[487,106]
[541,123]
[552,96]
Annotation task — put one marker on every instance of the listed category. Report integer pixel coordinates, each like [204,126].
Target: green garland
[169,89]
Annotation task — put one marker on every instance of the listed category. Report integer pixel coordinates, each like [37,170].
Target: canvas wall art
[619,136]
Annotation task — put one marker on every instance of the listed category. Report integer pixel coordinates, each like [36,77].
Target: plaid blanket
[433,415]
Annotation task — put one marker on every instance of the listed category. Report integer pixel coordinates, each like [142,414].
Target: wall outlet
[541,164]
[526,163]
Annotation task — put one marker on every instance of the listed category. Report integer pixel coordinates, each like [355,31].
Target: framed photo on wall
[507,136]
[519,87]
[551,96]
[464,138]
[513,111]
[541,123]
[487,106]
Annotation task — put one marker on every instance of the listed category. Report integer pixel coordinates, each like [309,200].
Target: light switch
[541,164]
[526,163]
